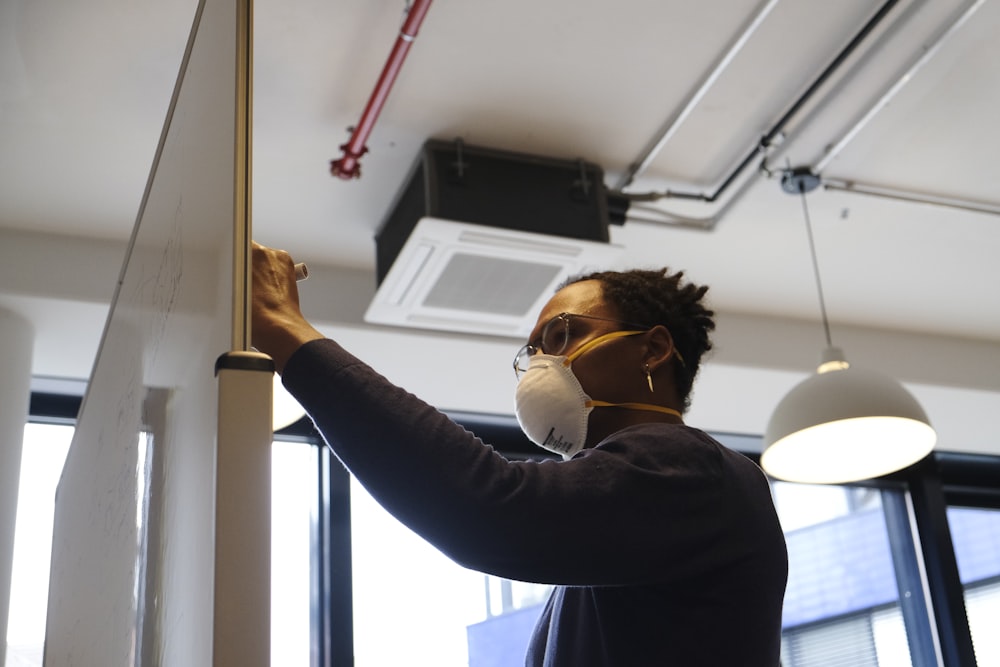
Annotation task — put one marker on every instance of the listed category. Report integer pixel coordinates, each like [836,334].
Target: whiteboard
[133,559]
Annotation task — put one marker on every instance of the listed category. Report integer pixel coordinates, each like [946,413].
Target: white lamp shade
[286,410]
[843,426]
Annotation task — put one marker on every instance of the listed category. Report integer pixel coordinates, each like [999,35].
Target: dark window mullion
[948,599]
[337,589]
[909,582]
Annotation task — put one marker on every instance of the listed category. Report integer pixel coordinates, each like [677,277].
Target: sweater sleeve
[607,516]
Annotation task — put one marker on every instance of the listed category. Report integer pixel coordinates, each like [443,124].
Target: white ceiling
[84,88]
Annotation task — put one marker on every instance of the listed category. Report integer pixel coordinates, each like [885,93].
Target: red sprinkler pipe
[347,166]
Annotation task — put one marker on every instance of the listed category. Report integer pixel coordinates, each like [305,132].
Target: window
[42,458]
[976,535]
[513,608]
[294,466]
[294,490]
[843,603]
[412,604]
[851,554]
[855,596]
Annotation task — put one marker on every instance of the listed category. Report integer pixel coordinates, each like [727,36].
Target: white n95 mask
[551,406]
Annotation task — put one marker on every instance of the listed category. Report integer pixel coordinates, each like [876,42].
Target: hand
[278,327]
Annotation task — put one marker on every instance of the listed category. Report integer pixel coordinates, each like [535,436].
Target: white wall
[63,286]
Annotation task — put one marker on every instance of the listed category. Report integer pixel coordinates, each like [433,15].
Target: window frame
[940,480]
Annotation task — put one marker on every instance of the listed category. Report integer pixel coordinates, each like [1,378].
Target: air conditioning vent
[469,278]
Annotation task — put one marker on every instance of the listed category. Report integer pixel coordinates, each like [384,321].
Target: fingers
[275,295]
[271,257]
[274,275]
[278,326]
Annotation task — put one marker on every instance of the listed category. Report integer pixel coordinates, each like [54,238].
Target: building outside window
[976,533]
[842,602]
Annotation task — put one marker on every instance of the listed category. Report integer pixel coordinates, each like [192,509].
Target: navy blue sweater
[664,545]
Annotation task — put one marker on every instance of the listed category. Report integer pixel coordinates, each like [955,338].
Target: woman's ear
[660,347]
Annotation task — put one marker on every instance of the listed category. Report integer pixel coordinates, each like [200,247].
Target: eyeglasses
[556,336]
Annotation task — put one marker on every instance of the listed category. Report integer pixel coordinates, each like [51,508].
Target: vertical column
[16,344]
[242,630]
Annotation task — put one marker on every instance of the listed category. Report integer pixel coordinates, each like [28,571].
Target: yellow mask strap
[597,341]
[634,406]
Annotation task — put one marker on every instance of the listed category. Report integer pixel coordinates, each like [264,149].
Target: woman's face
[612,370]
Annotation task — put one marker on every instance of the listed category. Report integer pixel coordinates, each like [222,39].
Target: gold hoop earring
[649,378]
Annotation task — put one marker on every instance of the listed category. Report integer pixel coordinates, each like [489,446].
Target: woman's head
[659,297]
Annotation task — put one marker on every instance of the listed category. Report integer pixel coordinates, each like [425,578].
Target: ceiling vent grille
[455,276]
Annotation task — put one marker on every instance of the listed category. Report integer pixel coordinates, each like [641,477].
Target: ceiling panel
[84,90]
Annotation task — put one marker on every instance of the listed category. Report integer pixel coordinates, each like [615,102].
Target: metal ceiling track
[770,140]
[852,187]
[674,123]
[767,141]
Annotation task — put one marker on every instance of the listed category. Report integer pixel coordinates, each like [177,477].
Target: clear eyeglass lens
[555,336]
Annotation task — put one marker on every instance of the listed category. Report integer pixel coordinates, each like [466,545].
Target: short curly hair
[651,297]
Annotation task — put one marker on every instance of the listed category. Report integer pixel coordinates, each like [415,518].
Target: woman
[663,544]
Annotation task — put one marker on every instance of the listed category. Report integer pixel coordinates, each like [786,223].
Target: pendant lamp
[843,424]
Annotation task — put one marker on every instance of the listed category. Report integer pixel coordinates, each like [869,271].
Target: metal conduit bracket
[799,180]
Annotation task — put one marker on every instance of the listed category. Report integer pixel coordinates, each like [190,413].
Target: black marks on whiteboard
[158,282]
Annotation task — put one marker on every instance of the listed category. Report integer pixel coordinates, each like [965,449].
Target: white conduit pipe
[907,196]
[672,125]
[929,52]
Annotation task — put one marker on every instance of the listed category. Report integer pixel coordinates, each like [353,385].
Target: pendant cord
[815,263]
